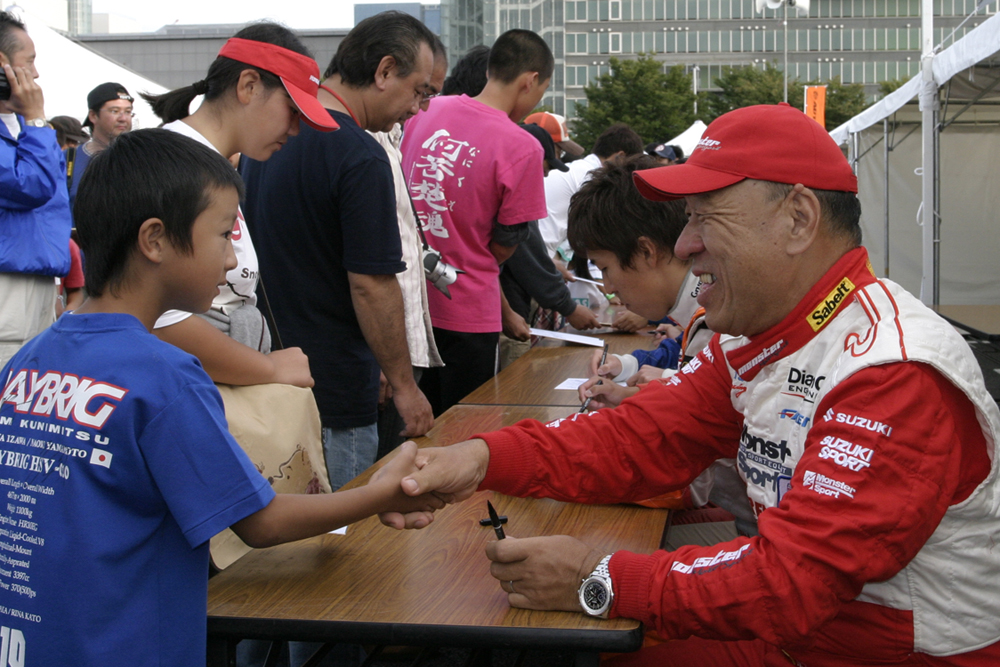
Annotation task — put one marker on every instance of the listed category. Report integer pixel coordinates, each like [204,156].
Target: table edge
[419,634]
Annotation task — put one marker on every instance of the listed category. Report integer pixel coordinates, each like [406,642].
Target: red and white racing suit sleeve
[657,441]
[815,551]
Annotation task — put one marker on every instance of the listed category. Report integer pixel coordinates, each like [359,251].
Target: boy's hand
[291,366]
[583,318]
[449,473]
[646,374]
[629,322]
[611,368]
[400,510]
[665,330]
[514,326]
[567,275]
[607,395]
[26,96]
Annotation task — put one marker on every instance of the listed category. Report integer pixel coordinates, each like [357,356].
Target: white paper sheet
[572,384]
[592,282]
[570,338]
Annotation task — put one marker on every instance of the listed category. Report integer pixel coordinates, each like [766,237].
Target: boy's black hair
[9,42]
[518,51]
[224,73]
[390,33]
[618,137]
[143,174]
[468,76]
[608,213]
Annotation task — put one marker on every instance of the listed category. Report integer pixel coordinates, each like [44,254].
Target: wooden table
[426,587]
[531,380]
[982,321]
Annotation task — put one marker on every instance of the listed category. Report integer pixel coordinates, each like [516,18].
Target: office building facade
[861,41]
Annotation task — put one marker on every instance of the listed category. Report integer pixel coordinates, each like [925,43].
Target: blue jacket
[665,355]
[35,219]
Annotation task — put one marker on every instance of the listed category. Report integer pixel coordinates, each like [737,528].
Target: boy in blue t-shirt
[115,461]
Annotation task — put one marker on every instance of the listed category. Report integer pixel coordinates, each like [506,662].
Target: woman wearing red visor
[259,87]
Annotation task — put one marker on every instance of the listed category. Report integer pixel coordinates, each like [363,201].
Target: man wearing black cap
[858,418]
[109,116]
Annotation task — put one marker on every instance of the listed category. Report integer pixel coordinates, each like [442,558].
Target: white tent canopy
[954,263]
[979,44]
[68,71]
[689,138]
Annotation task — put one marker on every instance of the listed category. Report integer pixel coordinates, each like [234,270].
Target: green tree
[658,105]
[746,86]
[843,101]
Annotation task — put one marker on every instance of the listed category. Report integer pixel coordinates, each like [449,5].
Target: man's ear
[92,116]
[806,219]
[530,81]
[386,68]
[248,83]
[153,243]
[647,252]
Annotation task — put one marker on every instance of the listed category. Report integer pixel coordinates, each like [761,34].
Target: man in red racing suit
[858,418]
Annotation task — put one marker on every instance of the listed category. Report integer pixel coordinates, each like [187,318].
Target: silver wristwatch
[596,593]
[37,122]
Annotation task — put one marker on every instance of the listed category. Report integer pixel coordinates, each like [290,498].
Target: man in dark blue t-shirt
[322,212]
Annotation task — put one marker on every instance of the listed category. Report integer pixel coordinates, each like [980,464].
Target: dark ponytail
[224,73]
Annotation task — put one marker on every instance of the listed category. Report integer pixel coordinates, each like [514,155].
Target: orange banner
[816,104]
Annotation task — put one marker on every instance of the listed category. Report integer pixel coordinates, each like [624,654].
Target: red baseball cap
[765,142]
[555,125]
[298,73]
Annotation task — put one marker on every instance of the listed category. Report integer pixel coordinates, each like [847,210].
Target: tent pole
[786,49]
[885,140]
[937,207]
[928,108]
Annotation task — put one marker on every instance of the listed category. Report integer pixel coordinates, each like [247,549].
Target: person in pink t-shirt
[476,181]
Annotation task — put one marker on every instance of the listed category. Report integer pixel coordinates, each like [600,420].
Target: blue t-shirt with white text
[116,467]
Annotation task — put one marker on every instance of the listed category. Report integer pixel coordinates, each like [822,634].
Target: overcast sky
[295,14]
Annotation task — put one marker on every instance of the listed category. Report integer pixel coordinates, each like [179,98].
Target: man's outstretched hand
[450,473]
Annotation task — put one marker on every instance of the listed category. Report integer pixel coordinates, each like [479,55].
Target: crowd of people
[409,226]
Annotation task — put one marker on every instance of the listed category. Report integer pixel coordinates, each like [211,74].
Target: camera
[439,272]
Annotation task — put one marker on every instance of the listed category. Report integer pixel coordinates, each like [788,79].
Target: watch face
[595,596]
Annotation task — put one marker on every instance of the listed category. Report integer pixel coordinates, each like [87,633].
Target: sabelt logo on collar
[827,307]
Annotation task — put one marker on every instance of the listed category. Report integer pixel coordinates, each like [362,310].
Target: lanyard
[341,100]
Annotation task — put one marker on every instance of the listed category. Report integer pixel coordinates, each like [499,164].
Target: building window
[615,10]
[616,42]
